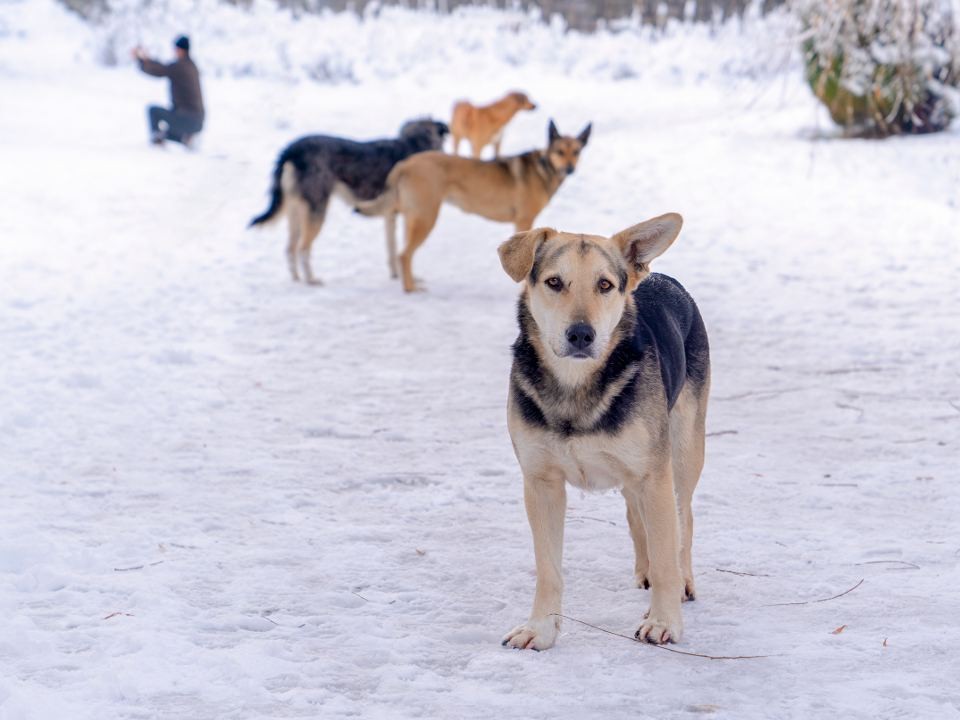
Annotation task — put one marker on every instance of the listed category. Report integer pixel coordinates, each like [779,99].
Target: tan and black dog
[313,169]
[482,125]
[609,386]
[512,189]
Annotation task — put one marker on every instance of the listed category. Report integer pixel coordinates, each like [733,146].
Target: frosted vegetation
[884,66]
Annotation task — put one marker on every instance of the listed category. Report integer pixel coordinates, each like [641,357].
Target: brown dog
[513,189]
[484,125]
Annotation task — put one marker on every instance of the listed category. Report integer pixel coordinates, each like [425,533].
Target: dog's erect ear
[517,253]
[552,133]
[585,134]
[648,240]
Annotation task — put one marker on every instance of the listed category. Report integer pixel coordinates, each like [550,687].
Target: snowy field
[224,495]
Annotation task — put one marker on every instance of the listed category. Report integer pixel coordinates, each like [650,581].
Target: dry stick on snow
[718,433]
[809,602]
[137,567]
[910,565]
[761,393]
[587,517]
[737,572]
[664,647]
[844,406]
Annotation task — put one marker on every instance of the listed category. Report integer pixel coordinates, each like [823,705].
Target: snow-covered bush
[883,67]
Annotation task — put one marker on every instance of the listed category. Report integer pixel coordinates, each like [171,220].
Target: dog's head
[579,286]
[521,101]
[425,132]
[563,151]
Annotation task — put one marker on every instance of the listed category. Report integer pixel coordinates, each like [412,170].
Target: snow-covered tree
[884,67]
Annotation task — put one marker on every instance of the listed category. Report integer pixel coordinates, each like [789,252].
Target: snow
[224,495]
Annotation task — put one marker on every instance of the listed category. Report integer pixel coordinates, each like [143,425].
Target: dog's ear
[585,134]
[552,133]
[648,240]
[517,253]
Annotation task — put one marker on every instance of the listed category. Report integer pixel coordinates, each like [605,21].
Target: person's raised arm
[150,67]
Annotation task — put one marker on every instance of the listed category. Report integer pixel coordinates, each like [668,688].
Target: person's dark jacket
[184,83]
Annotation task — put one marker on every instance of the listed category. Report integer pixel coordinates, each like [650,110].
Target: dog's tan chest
[589,462]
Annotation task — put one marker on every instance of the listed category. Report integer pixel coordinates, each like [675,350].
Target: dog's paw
[689,590]
[533,635]
[659,629]
[643,582]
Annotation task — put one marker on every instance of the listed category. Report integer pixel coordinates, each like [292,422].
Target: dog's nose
[570,169]
[580,336]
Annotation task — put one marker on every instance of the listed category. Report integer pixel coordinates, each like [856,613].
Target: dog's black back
[321,161]
[669,324]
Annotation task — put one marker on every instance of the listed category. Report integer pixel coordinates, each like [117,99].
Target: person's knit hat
[183,42]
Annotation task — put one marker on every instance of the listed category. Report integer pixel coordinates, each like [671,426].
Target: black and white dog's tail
[281,177]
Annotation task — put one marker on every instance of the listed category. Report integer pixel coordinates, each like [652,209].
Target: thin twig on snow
[809,602]
[663,647]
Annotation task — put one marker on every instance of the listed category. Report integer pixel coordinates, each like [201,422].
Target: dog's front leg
[546,499]
[658,507]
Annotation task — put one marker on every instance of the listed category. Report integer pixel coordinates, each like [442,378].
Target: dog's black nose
[580,336]
[570,169]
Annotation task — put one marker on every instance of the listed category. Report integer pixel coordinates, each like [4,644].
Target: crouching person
[184,120]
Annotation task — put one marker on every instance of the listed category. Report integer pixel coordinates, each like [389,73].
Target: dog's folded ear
[518,253]
[645,241]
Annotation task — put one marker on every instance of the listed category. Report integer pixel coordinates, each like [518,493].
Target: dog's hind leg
[390,226]
[456,144]
[311,222]
[639,535]
[416,229]
[687,434]
[293,226]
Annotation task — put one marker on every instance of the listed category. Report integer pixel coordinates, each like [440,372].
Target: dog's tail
[284,181]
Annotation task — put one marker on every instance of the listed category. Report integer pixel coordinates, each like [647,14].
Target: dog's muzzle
[580,337]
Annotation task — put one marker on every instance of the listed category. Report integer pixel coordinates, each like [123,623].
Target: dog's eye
[604,285]
[554,283]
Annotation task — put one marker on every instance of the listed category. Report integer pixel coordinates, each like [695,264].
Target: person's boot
[157,138]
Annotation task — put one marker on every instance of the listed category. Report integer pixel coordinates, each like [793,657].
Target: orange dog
[484,125]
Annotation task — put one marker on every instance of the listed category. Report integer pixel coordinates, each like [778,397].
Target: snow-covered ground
[224,495]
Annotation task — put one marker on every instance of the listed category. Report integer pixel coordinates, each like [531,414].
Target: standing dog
[315,167]
[484,125]
[609,387]
[513,189]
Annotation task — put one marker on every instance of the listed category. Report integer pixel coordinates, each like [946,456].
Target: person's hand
[137,53]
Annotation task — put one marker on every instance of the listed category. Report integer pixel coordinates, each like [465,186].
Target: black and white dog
[312,169]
